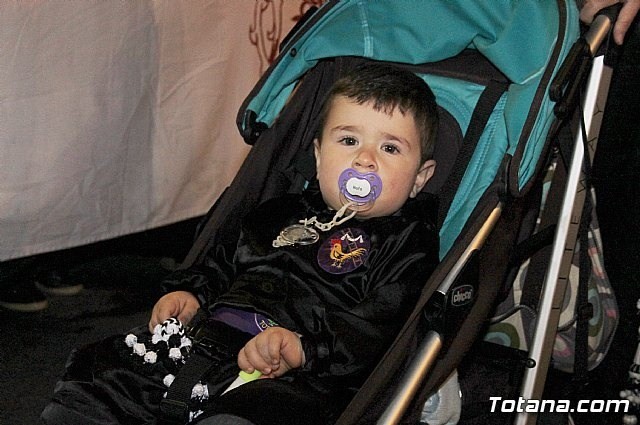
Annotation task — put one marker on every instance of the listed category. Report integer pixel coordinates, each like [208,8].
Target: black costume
[347,295]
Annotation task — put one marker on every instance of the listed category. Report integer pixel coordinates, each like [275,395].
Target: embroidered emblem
[344,251]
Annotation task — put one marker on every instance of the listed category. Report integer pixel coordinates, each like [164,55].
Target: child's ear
[424,174]
[316,152]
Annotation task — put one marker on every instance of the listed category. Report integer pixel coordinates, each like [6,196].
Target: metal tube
[432,343]
[477,242]
[556,279]
[412,379]
[598,31]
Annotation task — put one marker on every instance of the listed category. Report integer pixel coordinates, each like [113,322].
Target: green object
[248,377]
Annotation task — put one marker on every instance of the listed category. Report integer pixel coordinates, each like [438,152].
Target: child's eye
[388,148]
[349,141]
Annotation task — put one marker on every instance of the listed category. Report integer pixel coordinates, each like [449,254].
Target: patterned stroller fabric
[513,321]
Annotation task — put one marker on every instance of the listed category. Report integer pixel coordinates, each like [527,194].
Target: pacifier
[359,189]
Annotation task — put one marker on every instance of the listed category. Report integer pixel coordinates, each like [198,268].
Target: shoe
[24,298]
[56,282]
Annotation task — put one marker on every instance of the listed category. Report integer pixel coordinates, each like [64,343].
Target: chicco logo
[462,295]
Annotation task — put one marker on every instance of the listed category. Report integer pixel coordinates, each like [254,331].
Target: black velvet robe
[347,294]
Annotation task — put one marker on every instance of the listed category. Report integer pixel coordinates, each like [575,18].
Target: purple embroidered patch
[344,251]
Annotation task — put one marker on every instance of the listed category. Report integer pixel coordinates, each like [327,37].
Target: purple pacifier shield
[359,187]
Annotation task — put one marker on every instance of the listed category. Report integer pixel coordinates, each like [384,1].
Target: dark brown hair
[388,87]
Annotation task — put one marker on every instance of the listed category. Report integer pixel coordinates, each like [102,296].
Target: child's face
[357,136]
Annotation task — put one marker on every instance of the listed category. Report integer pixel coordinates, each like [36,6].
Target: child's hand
[180,304]
[274,352]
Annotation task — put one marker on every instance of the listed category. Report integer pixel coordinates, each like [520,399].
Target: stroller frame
[587,49]
[576,188]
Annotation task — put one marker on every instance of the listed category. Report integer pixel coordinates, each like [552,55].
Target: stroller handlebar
[570,76]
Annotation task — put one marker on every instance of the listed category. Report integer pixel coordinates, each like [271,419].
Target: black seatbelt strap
[213,356]
[485,106]
[584,309]
[175,407]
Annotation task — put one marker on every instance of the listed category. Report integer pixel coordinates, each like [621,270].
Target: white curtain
[119,116]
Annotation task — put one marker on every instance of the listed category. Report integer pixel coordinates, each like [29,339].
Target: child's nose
[365,161]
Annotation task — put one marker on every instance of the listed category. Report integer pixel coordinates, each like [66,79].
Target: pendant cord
[338,218]
[335,221]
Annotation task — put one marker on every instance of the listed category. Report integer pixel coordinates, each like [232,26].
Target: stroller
[506,78]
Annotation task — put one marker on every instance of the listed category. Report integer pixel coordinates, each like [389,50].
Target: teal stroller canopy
[524,39]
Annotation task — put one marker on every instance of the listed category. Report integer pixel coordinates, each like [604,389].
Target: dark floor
[121,285]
